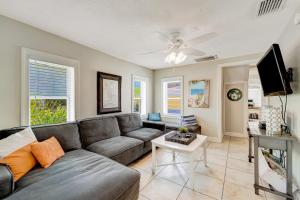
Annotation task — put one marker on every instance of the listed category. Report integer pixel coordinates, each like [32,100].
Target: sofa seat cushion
[122,149]
[145,134]
[79,174]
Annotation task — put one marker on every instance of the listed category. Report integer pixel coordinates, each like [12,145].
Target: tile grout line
[187,181]
[242,186]
[225,167]
[185,184]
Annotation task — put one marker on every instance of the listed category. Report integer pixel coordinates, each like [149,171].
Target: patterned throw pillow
[15,152]
[154,117]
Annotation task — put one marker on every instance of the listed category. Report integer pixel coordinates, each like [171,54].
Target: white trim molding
[38,55]
[220,90]
[235,134]
[214,139]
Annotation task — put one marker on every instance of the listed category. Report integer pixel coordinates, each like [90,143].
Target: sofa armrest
[157,125]
[6,181]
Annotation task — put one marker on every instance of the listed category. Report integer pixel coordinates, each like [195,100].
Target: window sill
[171,116]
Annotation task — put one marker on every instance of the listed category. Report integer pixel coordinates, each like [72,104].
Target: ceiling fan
[178,50]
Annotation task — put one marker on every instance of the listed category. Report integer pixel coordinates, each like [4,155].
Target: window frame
[164,97]
[28,54]
[143,93]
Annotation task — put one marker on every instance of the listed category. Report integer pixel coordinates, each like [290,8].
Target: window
[139,95]
[172,96]
[51,92]
[48,89]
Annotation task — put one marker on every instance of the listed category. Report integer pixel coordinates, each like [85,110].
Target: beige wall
[15,35]
[235,111]
[290,46]
[207,117]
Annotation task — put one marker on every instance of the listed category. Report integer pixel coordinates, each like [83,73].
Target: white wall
[290,46]
[206,70]
[15,35]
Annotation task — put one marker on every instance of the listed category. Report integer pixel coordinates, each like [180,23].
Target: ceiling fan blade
[155,52]
[202,38]
[164,37]
[193,52]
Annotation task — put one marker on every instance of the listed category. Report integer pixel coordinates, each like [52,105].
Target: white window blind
[47,79]
[172,96]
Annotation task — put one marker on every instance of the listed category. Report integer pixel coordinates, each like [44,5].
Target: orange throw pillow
[20,162]
[47,152]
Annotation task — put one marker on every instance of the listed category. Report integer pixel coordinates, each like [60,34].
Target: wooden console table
[279,142]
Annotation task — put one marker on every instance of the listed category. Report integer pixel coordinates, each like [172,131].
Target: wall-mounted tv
[272,73]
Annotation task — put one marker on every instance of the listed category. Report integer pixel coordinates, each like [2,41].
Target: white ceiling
[127,28]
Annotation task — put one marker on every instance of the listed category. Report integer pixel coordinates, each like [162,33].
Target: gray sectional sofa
[93,167]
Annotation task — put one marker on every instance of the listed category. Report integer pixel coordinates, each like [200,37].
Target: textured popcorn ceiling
[127,28]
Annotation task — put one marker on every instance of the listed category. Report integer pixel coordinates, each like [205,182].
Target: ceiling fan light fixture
[176,58]
[171,57]
[181,57]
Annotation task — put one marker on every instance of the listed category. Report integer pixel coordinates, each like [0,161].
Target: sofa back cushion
[95,129]
[7,132]
[129,122]
[66,134]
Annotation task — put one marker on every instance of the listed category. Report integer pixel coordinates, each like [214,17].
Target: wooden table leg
[205,154]
[250,149]
[153,159]
[256,172]
[173,152]
[192,179]
[289,183]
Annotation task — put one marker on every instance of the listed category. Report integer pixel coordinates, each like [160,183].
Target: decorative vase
[264,113]
[273,120]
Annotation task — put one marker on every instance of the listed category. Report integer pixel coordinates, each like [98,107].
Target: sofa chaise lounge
[93,167]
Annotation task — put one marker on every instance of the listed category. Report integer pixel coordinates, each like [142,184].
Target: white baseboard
[236,134]
[213,139]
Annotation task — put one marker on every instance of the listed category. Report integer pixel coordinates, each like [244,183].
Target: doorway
[235,108]
[220,88]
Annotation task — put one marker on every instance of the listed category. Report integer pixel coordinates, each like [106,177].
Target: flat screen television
[272,73]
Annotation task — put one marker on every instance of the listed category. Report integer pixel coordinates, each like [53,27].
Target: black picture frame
[100,107]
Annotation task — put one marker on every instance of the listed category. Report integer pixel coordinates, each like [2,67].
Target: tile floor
[228,176]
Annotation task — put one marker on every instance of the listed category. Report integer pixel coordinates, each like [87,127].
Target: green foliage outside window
[48,111]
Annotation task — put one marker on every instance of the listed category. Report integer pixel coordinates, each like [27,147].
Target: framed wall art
[108,93]
[198,94]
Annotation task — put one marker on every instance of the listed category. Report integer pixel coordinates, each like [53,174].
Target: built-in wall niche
[255,94]
[254,97]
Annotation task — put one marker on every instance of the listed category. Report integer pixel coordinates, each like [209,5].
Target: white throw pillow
[16,141]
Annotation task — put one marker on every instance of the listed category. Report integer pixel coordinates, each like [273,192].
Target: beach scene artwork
[198,94]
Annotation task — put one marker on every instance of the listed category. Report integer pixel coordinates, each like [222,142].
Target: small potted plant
[183,130]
